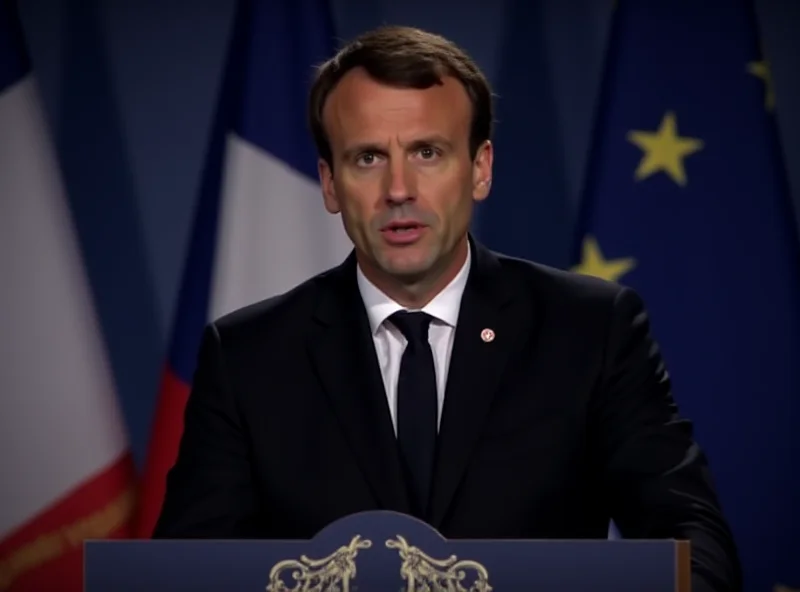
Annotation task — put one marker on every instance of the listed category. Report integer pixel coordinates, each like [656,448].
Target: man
[489,396]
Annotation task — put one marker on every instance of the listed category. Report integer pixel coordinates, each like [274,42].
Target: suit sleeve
[210,493]
[658,478]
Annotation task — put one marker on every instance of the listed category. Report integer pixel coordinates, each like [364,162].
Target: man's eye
[428,153]
[366,159]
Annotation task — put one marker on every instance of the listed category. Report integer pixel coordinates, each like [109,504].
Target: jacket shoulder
[287,311]
[560,288]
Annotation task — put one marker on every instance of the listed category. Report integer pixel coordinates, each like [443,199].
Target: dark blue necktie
[417,406]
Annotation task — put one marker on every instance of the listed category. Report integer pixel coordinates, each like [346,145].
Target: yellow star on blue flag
[664,150]
[760,69]
[594,263]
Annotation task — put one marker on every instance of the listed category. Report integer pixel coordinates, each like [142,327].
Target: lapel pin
[487,335]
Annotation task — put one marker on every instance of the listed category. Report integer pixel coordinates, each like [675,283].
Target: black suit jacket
[563,421]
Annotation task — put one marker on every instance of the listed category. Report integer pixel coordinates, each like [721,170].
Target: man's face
[403,178]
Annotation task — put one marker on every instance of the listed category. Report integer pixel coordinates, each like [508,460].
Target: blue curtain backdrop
[130,89]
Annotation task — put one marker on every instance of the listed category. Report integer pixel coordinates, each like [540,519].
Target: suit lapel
[476,367]
[344,356]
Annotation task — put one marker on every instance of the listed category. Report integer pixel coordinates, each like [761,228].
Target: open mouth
[402,227]
[403,232]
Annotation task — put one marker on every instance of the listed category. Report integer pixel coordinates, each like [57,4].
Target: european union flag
[688,205]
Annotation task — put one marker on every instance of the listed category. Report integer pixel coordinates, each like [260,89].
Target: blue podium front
[386,552]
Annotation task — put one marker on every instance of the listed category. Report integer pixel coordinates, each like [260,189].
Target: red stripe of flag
[46,553]
[167,431]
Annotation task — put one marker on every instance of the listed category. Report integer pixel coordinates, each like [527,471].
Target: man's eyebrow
[363,147]
[435,139]
[432,140]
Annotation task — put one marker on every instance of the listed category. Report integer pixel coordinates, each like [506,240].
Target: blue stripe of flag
[287,39]
[274,47]
[195,292]
[14,61]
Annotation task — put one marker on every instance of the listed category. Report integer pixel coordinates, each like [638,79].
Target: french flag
[66,471]
[260,226]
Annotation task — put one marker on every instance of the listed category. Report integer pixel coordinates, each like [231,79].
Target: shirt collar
[444,307]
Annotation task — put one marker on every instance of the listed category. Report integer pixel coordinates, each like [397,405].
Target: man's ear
[482,171]
[328,190]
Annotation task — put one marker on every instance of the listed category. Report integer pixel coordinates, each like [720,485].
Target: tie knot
[413,325]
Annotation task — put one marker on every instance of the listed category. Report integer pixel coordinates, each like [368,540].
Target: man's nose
[400,182]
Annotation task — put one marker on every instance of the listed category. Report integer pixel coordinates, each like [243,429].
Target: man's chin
[407,270]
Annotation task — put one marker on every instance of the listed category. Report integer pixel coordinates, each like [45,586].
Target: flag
[687,203]
[530,219]
[66,470]
[261,226]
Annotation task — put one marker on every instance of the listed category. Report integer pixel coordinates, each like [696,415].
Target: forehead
[360,106]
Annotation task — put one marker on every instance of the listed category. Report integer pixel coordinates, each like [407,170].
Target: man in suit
[489,396]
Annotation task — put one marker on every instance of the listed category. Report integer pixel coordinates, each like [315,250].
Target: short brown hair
[404,57]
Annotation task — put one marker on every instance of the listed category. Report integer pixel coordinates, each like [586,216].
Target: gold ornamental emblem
[334,572]
[423,573]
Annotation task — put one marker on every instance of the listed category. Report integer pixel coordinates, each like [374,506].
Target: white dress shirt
[390,343]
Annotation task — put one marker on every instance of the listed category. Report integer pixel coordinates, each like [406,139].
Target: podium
[386,552]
